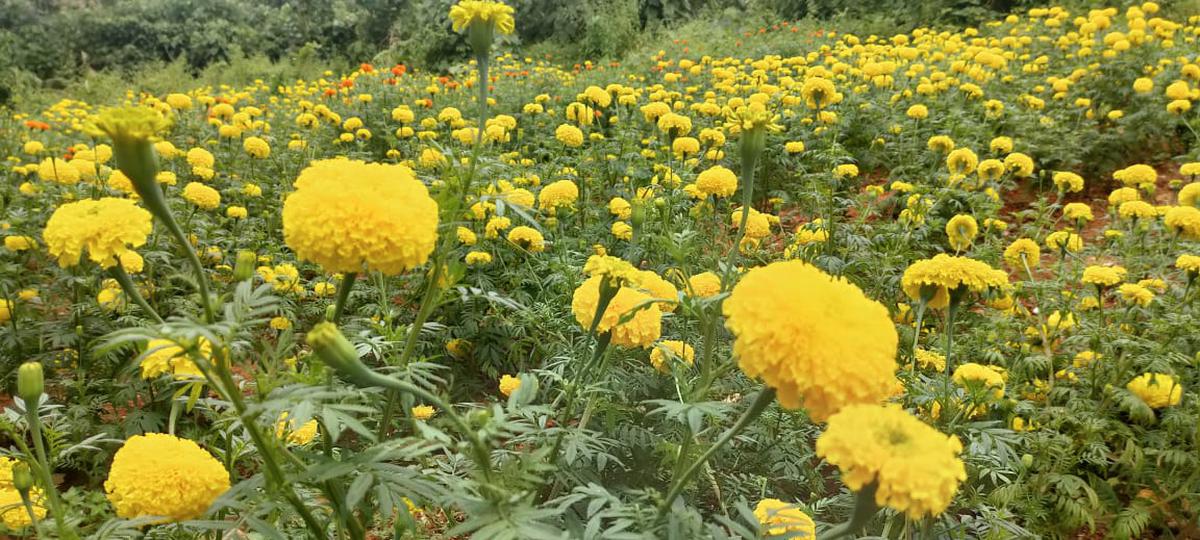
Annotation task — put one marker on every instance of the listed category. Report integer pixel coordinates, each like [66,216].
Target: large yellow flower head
[1188,263]
[486,12]
[164,356]
[1158,390]
[777,518]
[980,376]
[346,215]
[162,475]
[202,196]
[641,330]
[1184,221]
[1021,252]
[814,338]
[717,181]
[1137,175]
[1103,276]
[916,468]
[961,230]
[945,273]
[128,124]
[106,228]
[557,194]
[57,170]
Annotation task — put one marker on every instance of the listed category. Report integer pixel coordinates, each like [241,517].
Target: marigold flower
[105,228]
[486,12]
[717,181]
[1023,248]
[527,238]
[202,196]
[641,330]
[945,273]
[777,518]
[509,384]
[961,230]
[814,338]
[343,217]
[1184,221]
[916,469]
[569,135]
[1103,276]
[972,374]
[256,147]
[1158,390]
[666,351]
[287,429]
[162,475]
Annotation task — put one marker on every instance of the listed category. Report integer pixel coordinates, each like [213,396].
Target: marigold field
[784,282]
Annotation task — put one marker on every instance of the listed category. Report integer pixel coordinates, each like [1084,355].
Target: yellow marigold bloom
[944,273]
[704,285]
[470,12]
[940,143]
[509,384]
[751,118]
[199,157]
[1184,221]
[961,230]
[33,148]
[1143,85]
[164,356]
[1001,145]
[558,194]
[916,468]
[1064,241]
[917,112]
[106,228]
[57,170]
[19,243]
[961,162]
[777,518]
[1188,263]
[793,147]
[620,208]
[466,236]
[819,92]
[1023,247]
[617,270]
[1158,390]
[1123,195]
[846,170]
[1137,175]
[1019,164]
[622,230]
[1078,212]
[493,227]
[642,330]
[527,238]
[569,135]
[1135,294]
[1136,210]
[717,181]
[653,284]
[343,217]
[236,212]
[1103,276]
[162,475]
[6,308]
[1068,181]
[202,196]
[930,359]
[127,124]
[286,429]
[814,338]
[664,352]
[477,258]
[256,147]
[981,376]
[423,412]
[1189,195]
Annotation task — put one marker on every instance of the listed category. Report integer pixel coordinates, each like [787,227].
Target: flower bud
[30,382]
[22,477]
[243,269]
[332,347]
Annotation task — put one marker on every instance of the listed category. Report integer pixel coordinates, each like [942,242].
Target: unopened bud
[22,477]
[332,347]
[243,269]
[30,382]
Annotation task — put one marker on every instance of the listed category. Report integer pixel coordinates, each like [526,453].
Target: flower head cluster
[777,518]
[1158,390]
[1184,221]
[128,124]
[1103,276]
[938,276]
[1022,251]
[752,117]
[162,475]
[814,338]
[106,228]
[916,468]
[558,194]
[343,216]
[961,231]
[631,317]
[527,238]
[665,351]
[202,196]
[972,375]
[717,181]
[469,12]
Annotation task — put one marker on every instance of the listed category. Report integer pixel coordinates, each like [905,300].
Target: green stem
[748,161]
[764,398]
[43,467]
[118,273]
[343,294]
[864,509]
